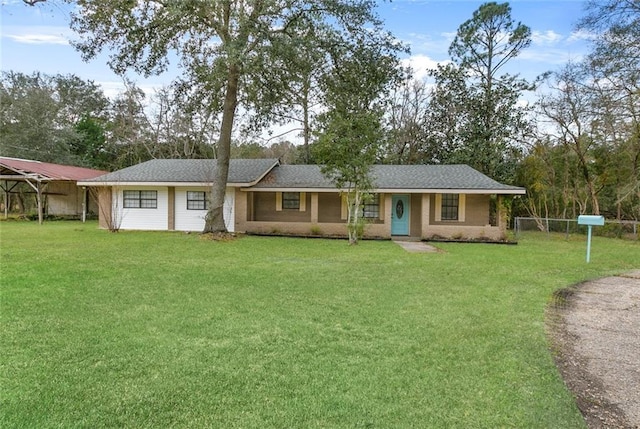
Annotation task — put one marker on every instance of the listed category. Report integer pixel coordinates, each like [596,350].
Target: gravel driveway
[594,328]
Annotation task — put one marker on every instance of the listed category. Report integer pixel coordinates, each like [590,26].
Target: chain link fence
[612,228]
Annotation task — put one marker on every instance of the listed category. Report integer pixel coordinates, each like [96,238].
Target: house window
[450,206]
[140,199]
[197,200]
[371,207]
[291,200]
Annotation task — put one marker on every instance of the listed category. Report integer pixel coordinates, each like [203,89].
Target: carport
[57,182]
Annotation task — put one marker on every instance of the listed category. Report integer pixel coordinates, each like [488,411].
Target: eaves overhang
[514,191]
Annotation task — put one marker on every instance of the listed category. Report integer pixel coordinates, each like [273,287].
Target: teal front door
[400,215]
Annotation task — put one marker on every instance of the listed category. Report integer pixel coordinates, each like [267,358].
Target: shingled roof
[242,172]
[392,177]
[267,174]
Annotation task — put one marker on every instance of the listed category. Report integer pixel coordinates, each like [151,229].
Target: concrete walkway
[598,336]
[416,246]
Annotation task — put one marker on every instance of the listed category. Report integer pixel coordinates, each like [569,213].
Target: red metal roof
[47,171]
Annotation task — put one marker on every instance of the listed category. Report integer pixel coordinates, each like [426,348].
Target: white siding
[188,220]
[193,220]
[149,219]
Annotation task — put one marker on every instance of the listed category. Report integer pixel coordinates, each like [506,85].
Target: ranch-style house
[265,197]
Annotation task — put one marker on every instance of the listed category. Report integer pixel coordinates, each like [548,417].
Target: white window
[197,200]
[140,199]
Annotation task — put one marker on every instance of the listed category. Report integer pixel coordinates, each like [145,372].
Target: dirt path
[595,330]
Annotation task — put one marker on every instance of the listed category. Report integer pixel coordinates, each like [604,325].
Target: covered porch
[411,215]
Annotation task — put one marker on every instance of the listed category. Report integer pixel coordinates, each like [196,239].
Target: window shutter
[381,206]
[438,207]
[303,201]
[462,199]
[278,201]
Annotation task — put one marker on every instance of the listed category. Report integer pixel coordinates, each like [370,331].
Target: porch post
[39,199]
[84,204]
[314,207]
[426,210]
[6,200]
[501,214]
[171,215]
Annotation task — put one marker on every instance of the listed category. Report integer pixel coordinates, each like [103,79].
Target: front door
[400,215]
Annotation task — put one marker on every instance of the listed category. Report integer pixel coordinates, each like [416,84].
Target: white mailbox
[591,220]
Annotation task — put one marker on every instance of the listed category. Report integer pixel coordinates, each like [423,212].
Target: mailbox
[591,220]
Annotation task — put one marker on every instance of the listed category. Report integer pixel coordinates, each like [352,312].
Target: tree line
[575,145]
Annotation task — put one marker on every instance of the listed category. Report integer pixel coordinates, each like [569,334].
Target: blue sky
[37,38]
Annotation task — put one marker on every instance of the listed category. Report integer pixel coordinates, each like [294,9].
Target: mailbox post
[590,220]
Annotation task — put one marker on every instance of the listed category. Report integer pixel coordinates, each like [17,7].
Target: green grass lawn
[159,330]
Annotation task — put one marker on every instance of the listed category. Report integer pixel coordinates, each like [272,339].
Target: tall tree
[617,46]
[350,132]
[494,122]
[128,129]
[570,112]
[590,159]
[90,146]
[179,127]
[406,120]
[230,49]
[614,64]
[39,114]
[449,110]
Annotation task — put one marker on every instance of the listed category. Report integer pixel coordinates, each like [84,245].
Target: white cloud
[581,35]
[39,39]
[421,64]
[449,36]
[545,38]
[38,35]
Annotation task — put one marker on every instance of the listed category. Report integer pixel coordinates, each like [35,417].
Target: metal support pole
[589,244]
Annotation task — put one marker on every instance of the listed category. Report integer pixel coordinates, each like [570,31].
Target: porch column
[426,210]
[6,199]
[39,198]
[501,214]
[314,207]
[171,207]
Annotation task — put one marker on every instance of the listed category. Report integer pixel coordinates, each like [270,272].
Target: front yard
[160,329]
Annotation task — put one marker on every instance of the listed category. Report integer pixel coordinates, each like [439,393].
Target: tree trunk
[353,218]
[214,220]
[593,196]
